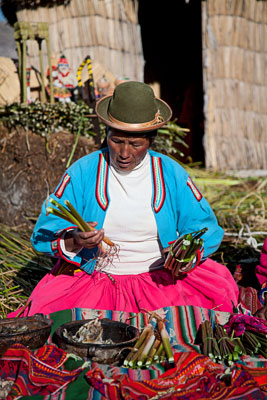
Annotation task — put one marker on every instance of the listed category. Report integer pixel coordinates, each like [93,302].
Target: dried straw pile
[234,65]
[240,205]
[21,268]
[107,30]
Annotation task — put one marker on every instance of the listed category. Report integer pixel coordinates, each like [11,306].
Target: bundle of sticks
[70,214]
[105,253]
[183,252]
[222,348]
[153,346]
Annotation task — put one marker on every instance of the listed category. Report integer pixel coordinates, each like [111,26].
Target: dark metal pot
[32,332]
[123,335]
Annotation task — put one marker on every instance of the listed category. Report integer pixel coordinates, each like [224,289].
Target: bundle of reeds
[182,256]
[21,268]
[70,214]
[222,348]
[153,346]
[106,252]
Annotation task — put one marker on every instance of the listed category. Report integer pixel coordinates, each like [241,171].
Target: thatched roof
[10,7]
[106,30]
[33,3]
[21,4]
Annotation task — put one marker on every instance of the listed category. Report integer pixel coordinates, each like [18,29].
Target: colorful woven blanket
[193,374]
[193,377]
[35,373]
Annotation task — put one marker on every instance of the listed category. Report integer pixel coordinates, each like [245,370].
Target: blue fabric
[180,213]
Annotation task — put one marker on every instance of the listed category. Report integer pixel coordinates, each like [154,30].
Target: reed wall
[107,30]
[235,83]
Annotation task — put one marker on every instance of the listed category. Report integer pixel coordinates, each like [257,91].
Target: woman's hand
[75,240]
[165,252]
[261,313]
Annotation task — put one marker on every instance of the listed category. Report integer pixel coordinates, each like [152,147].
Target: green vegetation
[45,119]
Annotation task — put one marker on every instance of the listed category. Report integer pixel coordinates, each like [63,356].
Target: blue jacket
[177,204]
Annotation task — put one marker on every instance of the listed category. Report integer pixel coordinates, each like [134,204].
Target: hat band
[156,120]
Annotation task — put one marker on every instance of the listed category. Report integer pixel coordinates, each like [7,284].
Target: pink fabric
[239,323]
[261,269]
[209,285]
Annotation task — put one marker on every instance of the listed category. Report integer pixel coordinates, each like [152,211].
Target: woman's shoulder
[169,163]
[89,160]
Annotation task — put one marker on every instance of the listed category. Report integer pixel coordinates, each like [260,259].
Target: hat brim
[102,113]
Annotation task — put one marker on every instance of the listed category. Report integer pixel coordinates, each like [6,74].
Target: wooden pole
[87,93]
[43,97]
[18,43]
[24,87]
[52,100]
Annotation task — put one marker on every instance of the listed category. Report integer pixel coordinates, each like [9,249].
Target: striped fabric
[182,325]
[182,322]
[101,183]
[159,186]
[194,189]
[192,376]
[65,181]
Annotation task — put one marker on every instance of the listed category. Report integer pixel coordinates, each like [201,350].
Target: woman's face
[127,151]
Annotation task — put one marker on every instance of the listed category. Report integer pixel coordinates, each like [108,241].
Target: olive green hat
[133,107]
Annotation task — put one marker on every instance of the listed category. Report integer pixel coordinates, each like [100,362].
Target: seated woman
[142,201]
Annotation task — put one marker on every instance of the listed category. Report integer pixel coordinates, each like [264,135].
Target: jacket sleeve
[195,213]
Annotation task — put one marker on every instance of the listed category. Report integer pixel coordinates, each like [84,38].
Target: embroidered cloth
[35,373]
[239,323]
[192,373]
[193,377]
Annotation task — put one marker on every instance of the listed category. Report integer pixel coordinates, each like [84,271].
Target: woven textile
[182,325]
[193,377]
[240,323]
[35,373]
[249,298]
[192,373]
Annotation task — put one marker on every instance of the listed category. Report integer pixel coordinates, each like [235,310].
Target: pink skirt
[210,285]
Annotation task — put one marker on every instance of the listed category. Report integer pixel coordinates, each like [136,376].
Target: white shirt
[130,222]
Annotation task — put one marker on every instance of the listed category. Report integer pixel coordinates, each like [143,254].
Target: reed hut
[234,38]
[207,58]
[107,30]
